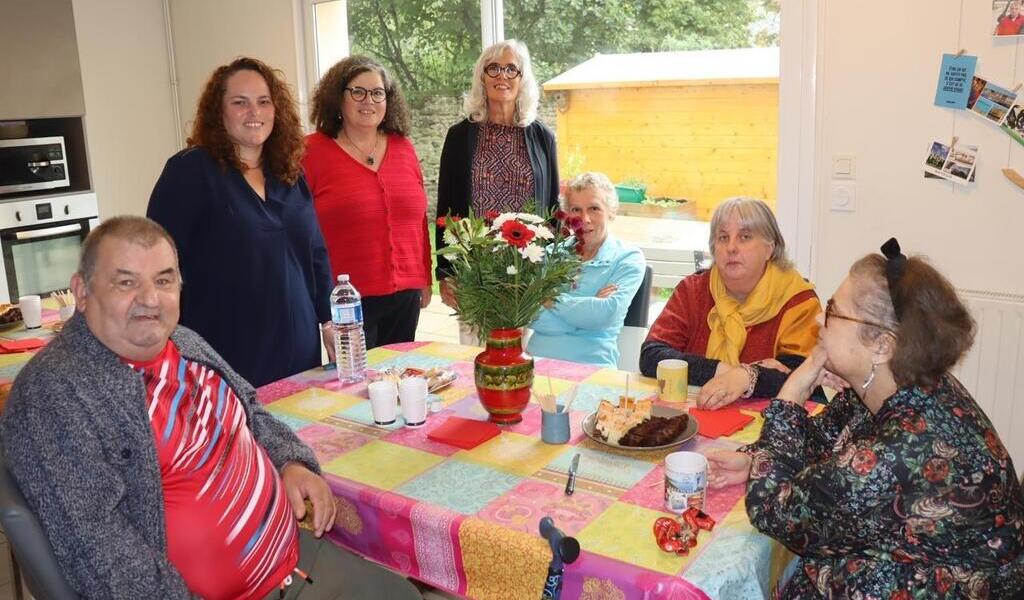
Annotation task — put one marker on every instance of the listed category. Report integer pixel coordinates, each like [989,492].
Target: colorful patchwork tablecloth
[11,364]
[466,521]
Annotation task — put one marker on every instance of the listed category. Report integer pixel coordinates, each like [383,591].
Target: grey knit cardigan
[77,439]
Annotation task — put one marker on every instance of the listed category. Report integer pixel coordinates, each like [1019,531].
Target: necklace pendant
[369,160]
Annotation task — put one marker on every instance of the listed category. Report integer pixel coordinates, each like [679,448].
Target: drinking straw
[572,397]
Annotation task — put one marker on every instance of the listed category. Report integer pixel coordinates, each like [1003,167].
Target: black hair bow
[896,264]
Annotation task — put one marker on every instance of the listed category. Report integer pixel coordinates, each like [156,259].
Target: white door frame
[799,90]
[492,22]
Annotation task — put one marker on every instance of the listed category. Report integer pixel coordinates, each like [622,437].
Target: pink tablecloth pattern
[466,520]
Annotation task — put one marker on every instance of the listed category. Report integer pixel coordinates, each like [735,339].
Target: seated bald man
[149,462]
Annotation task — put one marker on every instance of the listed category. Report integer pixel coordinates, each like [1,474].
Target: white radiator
[993,370]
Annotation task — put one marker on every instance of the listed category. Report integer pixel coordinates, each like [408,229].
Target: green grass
[433,259]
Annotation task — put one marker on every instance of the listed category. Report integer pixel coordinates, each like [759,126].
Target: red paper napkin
[12,346]
[724,421]
[464,433]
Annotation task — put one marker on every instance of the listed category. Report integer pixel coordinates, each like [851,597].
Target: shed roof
[651,69]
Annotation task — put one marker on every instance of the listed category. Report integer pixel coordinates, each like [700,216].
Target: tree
[431,44]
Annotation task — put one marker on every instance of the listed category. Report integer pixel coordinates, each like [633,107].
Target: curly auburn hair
[935,328]
[283,150]
[325,113]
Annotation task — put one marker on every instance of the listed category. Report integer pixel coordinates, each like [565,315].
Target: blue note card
[955,78]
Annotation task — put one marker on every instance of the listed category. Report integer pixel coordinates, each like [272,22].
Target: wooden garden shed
[699,125]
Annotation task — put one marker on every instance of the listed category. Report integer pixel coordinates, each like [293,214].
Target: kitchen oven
[40,239]
[28,164]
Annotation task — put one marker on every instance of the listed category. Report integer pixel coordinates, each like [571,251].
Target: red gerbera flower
[516,234]
[491,215]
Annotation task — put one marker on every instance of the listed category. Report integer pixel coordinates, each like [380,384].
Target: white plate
[590,428]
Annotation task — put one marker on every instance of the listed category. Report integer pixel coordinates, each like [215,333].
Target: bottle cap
[343,277]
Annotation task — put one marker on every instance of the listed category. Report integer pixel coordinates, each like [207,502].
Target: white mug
[31,310]
[413,393]
[383,401]
[686,480]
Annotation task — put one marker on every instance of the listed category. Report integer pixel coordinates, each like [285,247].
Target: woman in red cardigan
[369,196]
[743,324]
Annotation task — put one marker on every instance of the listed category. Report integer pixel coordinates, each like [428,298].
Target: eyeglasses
[494,69]
[830,311]
[358,94]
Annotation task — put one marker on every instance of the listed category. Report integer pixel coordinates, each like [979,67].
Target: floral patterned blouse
[919,500]
[502,177]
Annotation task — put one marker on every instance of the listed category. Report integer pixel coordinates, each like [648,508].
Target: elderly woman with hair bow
[900,487]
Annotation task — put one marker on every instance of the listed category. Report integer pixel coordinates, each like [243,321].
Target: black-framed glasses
[830,311]
[358,94]
[511,71]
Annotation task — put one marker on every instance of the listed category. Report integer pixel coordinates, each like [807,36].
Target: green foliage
[431,45]
[499,285]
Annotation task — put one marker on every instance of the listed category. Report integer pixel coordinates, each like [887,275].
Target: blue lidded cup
[554,426]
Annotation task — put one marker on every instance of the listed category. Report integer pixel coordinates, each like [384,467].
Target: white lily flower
[532,253]
[511,270]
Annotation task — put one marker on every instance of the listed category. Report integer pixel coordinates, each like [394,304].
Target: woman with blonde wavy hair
[257,279]
[499,156]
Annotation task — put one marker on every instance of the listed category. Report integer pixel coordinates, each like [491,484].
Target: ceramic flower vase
[504,376]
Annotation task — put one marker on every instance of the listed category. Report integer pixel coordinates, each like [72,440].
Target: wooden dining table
[466,520]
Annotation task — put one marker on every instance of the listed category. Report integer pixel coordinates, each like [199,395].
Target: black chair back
[640,307]
[29,542]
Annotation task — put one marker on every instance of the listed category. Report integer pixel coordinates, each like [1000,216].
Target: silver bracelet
[752,372]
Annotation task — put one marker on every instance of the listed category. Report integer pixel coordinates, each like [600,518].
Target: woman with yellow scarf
[746,322]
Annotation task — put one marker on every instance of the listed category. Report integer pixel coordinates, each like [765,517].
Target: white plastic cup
[686,481]
[383,401]
[31,310]
[413,393]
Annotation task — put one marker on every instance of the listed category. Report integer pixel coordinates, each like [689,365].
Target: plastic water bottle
[349,341]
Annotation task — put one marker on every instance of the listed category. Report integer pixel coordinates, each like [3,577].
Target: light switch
[843,196]
[844,166]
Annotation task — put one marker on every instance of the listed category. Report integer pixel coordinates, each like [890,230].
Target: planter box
[632,194]
[684,211]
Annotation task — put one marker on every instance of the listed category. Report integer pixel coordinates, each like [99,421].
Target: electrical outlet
[843,196]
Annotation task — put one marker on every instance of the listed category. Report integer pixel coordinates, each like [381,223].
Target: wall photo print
[952,162]
[1014,123]
[1007,18]
[989,100]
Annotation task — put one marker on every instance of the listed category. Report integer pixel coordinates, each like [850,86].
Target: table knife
[570,486]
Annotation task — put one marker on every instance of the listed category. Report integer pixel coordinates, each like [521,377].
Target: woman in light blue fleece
[583,324]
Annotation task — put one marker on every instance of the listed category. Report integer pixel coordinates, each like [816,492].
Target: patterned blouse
[920,500]
[502,175]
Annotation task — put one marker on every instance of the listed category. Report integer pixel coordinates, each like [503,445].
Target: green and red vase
[504,376]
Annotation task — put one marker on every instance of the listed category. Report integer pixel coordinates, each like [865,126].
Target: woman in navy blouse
[257,279]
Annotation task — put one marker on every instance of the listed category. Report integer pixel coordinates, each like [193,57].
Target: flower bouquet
[504,268]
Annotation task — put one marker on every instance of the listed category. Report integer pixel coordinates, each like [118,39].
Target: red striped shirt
[231,532]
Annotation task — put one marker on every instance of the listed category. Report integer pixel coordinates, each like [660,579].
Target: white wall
[877,69]
[209,34]
[129,127]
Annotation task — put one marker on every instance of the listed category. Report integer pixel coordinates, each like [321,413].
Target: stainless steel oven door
[40,259]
